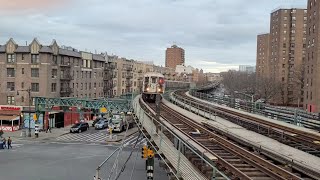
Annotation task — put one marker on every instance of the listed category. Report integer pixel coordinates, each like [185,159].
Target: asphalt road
[54,161]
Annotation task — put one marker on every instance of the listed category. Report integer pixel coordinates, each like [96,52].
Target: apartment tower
[287,42]
[174,56]
[312,76]
[262,66]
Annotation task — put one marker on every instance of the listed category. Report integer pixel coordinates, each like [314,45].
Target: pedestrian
[9,143]
[4,141]
[48,129]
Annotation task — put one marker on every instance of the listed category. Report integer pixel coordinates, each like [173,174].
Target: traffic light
[144,152]
[150,153]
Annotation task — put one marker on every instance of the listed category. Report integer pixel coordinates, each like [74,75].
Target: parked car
[95,121]
[79,127]
[103,123]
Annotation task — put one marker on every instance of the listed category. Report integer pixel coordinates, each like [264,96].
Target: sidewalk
[55,132]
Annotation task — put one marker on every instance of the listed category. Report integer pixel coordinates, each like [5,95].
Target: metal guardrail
[293,116]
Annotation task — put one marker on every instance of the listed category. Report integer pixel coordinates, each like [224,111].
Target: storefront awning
[9,118]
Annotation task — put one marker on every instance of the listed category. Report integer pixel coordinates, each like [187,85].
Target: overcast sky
[216,34]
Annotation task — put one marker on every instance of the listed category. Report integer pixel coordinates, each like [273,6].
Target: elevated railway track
[234,159]
[305,141]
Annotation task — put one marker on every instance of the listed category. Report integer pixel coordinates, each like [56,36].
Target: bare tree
[267,88]
[239,81]
[298,84]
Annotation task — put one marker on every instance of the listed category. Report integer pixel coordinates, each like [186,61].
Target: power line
[124,165]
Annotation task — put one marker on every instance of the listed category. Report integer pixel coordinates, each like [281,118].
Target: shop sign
[10,108]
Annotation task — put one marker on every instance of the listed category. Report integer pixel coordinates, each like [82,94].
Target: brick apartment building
[174,56]
[262,63]
[284,61]
[312,69]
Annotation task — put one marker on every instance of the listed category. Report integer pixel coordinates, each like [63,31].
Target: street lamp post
[29,94]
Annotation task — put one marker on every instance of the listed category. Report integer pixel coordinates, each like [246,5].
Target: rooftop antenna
[26,43]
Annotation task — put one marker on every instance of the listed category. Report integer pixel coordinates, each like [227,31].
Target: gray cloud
[220,31]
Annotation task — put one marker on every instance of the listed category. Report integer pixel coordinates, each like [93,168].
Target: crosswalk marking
[87,137]
[132,140]
[99,137]
[14,147]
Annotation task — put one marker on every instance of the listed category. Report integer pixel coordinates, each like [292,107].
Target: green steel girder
[112,105]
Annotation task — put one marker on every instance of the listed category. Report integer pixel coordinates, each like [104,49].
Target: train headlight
[159,89]
[147,89]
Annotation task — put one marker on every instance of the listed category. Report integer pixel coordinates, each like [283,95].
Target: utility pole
[30,99]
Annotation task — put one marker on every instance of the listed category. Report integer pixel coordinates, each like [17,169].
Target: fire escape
[65,79]
[108,79]
[129,76]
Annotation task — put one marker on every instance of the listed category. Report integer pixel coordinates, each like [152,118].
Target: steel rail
[259,163]
[305,138]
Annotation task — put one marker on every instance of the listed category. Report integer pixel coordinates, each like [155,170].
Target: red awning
[9,118]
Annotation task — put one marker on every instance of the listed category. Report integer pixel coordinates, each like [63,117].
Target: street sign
[103,110]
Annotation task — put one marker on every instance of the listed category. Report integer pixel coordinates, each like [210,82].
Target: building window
[10,100]
[55,60]
[10,86]
[10,72]
[285,18]
[81,74]
[94,85]
[22,71]
[90,74]
[22,99]
[22,57]
[35,87]
[89,86]
[11,58]
[53,87]
[34,72]
[86,86]
[81,87]
[34,58]
[54,73]
[22,85]
[94,75]
[77,85]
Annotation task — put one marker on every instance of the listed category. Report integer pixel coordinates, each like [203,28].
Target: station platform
[311,131]
[298,157]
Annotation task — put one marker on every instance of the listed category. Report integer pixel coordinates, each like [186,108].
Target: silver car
[102,124]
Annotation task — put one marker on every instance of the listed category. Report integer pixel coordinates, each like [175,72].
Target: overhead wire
[124,165]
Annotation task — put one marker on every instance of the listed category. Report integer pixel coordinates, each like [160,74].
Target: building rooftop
[98,57]
[22,49]
[46,49]
[69,53]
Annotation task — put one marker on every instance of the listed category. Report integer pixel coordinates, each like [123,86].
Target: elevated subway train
[154,83]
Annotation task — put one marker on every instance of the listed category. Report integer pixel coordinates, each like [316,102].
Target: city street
[63,161]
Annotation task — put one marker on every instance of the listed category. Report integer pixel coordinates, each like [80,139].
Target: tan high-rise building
[262,66]
[311,73]
[174,56]
[287,53]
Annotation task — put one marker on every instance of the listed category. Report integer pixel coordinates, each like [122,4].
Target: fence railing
[293,116]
